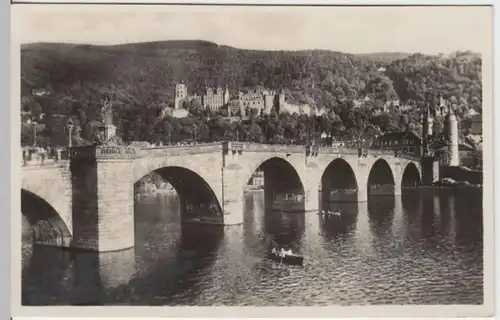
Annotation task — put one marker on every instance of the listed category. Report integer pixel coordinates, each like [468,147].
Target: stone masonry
[94,196]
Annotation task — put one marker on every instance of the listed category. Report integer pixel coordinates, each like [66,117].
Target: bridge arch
[411,176]
[282,180]
[47,225]
[338,182]
[381,180]
[197,196]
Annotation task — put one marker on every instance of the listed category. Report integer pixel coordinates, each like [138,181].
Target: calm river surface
[415,249]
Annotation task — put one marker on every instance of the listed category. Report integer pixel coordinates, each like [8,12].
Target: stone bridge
[87,201]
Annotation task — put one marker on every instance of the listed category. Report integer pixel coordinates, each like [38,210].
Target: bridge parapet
[42,157]
[337,150]
[102,152]
[411,157]
[180,150]
[257,147]
[379,152]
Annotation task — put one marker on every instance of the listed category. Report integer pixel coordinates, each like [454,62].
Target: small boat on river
[291,259]
[329,213]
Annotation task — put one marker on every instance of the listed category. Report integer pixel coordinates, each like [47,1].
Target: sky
[430,30]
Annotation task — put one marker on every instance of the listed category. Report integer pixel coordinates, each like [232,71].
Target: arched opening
[169,202]
[177,221]
[41,223]
[338,183]
[196,200]
[411,177]
[283,189]
[380,180]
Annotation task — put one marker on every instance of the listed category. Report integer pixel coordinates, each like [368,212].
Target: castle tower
[268,102]
[430,124]
[425,130]
[442,106]
[226,96]
[453,138]
[282,99]
[180,94]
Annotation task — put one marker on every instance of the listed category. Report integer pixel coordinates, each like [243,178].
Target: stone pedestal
[103,198]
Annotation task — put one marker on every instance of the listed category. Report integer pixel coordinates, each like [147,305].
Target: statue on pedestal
[106,110]
[107,129]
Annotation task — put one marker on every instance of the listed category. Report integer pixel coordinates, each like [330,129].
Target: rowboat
[329,213]
[288,259]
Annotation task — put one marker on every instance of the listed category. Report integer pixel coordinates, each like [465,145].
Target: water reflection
[284,228]
[415,249]
[96,271]
[428,217]
[336,227]
[43,267]
[381,214]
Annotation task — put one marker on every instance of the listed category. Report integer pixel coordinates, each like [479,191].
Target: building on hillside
[318,112]
[261,99]
[215,99]
[181,95]
[402,141]
[477,124]
[444,145]
[176,113]
[257,179]
[471,112]
[291,108]
[358,103]
[467,154]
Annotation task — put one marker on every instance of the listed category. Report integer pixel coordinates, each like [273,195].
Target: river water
[419,248]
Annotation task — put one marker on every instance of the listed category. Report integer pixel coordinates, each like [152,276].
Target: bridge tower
[453,138]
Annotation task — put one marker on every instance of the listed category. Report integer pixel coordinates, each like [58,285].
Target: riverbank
[154,192]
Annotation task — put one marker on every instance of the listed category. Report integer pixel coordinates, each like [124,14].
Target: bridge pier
[430,170]
[232,196]
[103,198]
[397,189]
[311,198]
[362,194]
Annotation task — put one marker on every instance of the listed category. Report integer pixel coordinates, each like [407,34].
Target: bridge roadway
[86,201]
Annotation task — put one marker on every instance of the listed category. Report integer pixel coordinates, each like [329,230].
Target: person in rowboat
[283,253]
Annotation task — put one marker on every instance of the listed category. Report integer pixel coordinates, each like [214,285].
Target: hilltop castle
[261,99]
[258,98]
[213,99]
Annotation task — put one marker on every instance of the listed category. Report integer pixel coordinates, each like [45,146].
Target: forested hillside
[141,77]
